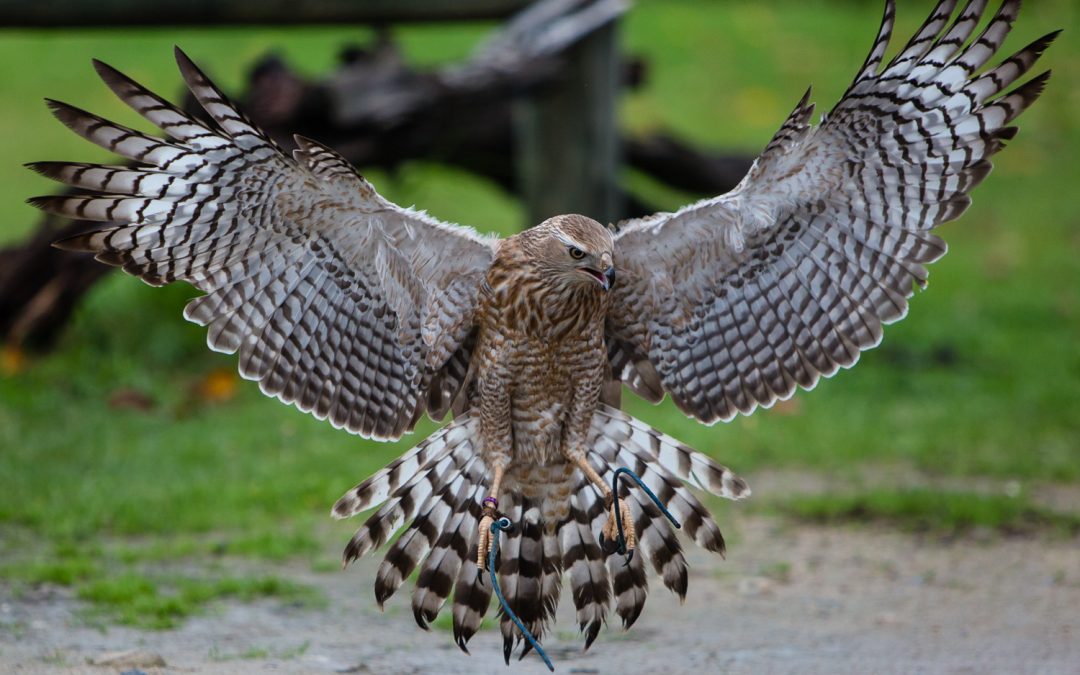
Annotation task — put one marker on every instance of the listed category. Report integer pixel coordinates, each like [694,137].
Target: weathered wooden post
[567,135]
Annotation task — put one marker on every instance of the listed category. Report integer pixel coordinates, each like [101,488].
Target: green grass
[57,572]
[933,512]
[122,586]
[134,599]
[982,379]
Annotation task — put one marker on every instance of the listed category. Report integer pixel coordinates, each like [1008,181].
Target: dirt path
[788,599]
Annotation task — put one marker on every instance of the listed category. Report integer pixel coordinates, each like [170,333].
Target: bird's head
[576,250]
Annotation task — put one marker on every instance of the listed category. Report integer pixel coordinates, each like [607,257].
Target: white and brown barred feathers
[339,302]
[438,485]
[736,301]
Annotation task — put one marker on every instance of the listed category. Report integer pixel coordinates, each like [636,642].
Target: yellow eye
[576,253]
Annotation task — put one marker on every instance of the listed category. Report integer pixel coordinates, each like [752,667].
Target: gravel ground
[788,599]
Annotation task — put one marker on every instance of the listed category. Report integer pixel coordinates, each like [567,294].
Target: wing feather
[735,301]
[338,301]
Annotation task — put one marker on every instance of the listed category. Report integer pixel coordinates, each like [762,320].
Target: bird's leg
[609,535]
[491,506]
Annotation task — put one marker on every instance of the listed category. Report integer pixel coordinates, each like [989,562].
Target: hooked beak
[606,279]
[609,277]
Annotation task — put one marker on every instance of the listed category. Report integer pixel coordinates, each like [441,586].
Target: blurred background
[123,440]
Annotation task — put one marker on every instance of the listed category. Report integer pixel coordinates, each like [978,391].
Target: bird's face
[580,251]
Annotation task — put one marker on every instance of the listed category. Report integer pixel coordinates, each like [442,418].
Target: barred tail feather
[675,458]
[378,488]
[443,563]
[657,541]
[630,585]
[452,473]
[696,520]
[551,572]
[438,486]
[537,612]
[472,597]
[520,570]
[407,552]
[582,558]
[425,530]
[663,464]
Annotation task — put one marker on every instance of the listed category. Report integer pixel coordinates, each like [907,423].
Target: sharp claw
[629,557]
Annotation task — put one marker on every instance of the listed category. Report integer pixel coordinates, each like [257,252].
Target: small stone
[129,658]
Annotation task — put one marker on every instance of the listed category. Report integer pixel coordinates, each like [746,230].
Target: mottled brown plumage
[370,315]
[540,366]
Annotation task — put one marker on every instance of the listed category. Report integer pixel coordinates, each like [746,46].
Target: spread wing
[338,301]
[732,302]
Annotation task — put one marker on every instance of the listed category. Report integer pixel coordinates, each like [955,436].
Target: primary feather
[734,301]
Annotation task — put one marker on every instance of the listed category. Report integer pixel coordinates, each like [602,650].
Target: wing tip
[47,169]
[79,243]
[69,115]
[181,56]
[46,203]
[1042,44]
[103,69]
[1034,87]
[1020,99]
[191,73]
[115,80]
[54,105]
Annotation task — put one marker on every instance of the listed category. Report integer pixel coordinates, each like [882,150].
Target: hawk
[370,315]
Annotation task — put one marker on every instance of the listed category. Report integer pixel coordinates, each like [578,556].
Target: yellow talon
[610,532]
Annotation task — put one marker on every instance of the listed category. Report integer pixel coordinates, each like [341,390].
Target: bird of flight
[370,315]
